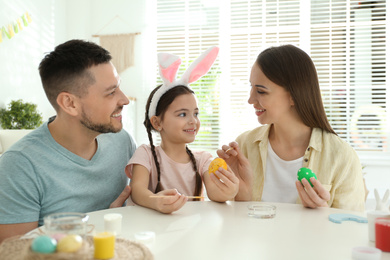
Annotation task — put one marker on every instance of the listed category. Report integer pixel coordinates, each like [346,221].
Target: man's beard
[100,128]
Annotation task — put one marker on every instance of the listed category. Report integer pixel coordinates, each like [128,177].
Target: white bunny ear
[200,66]
[168,66]
[377,198]
[386,197]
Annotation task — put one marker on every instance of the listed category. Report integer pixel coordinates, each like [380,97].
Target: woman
[295,133]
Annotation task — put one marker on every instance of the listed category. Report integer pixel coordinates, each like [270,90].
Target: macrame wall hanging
[121,47]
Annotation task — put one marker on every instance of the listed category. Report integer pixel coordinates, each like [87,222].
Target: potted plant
[20,115]
[18,120]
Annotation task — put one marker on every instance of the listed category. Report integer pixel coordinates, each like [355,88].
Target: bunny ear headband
[168,67]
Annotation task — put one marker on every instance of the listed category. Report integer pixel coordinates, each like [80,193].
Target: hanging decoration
[11,29]
[120,46]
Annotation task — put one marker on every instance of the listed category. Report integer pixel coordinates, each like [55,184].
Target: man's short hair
[66,68]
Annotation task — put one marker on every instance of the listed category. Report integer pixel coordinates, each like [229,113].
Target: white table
[210,230]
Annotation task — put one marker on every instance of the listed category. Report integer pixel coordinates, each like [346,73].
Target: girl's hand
[170,201]
[240,165]
[221,186]
[312,197]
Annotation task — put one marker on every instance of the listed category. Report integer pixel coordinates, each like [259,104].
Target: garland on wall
[11,29]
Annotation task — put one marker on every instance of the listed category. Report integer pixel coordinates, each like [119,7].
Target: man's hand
[9,230]
[122,198]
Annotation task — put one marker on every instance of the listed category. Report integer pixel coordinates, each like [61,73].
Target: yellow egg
[69,244]
[216,163]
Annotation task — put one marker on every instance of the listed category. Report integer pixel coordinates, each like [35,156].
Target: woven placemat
[16,248]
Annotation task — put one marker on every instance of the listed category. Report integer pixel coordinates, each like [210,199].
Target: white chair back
[9,136]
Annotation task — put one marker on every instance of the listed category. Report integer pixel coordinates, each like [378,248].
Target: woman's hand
[221,186]
[312,197]
[170,201]
[240,165]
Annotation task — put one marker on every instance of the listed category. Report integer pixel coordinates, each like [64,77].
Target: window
[348,47]
[186,29]
[345,38]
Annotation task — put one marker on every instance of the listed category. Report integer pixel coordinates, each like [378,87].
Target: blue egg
[44,245]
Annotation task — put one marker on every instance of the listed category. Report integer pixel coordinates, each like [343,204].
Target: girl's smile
[191,131]
[180,123]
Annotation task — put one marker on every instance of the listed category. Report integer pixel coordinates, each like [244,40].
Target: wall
[20,55]
[55,21]
[117,17]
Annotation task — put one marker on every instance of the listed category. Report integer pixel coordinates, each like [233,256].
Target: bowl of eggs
[65,233]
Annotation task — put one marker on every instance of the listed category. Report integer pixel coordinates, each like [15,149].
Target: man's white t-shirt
[279,179]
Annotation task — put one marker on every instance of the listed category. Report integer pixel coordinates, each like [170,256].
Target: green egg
[44,245]
[307,174]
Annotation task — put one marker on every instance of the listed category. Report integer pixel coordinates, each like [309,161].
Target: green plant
[20,115]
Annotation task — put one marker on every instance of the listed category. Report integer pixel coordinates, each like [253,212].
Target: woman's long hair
[292,69]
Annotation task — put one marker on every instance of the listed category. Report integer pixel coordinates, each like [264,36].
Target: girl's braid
[198,185]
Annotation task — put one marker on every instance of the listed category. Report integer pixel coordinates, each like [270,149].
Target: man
[75,161]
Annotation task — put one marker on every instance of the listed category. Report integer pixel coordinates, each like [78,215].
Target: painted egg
[70,244]
[307,174]
[216,163]
[44,245]
[58,236]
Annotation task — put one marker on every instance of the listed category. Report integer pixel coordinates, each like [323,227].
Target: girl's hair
[162,106]
[292,69]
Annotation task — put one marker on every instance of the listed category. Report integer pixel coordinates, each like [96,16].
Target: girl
[172,171]
[287,100]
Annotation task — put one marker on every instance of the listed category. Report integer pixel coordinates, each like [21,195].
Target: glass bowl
[261,210]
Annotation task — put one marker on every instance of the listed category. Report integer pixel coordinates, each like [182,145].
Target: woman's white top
[279,179]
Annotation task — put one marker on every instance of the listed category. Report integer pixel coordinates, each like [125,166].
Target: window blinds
[186,29]
[346,40]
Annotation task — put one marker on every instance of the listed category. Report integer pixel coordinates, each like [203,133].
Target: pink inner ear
[203,66]
[169,73]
